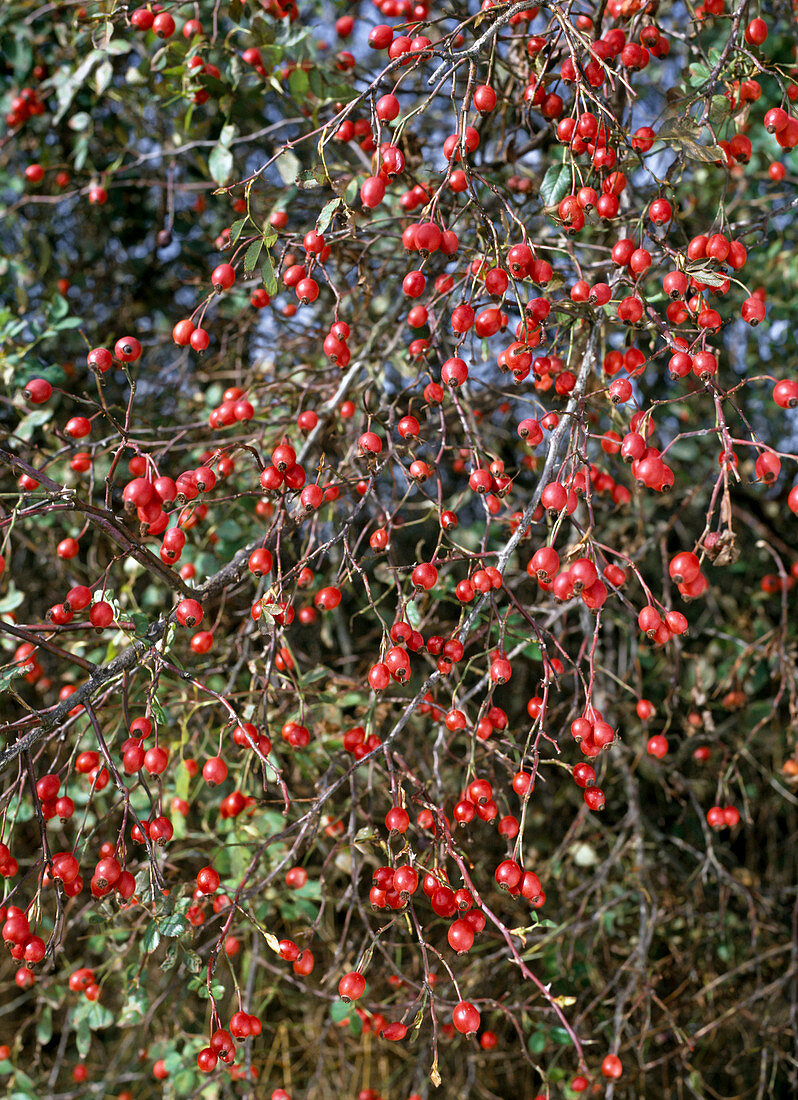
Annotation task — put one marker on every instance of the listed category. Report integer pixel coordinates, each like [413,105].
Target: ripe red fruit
[660,211]
[424,576]
[756,32]
[142,19]
[156,760]
[207,1060]
[466,1018]
[223,276]
[684,567]
[508,874]
[594,798]
[460,936]
[484,98]
[78,427]
[397,820]
[716,817]
[351,986]
[657,746]
[208,880]
[38,390]
[164,27]
[372,192]
[189,612]
[127,349]
[101,615]
[181,333]
[214,771]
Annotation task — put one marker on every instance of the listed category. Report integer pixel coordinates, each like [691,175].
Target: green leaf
[326,215]
[193,961]
[79,121]
[17,51]
[351,192]
[719,109]
[44,1025]
[152,937]
[118,47]
[315,674]
[59,307]
[98,1015]
[269,278]
[103,76]
[229,131]
[236,229]
[12,599]
[344,92]
[140,624]
[298,83]
[316,83]
[31,422]
[252,255]
[67,85]
[162,719]
[184,1082]
[83,1038]
[173,926]
[699,74]
[536,1043]
[220,164]
[555,184]
[339,1011]
[288,165]
[134,1009]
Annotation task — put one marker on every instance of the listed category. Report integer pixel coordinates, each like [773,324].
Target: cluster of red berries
[27,104]
[723,817]
[222,1046]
